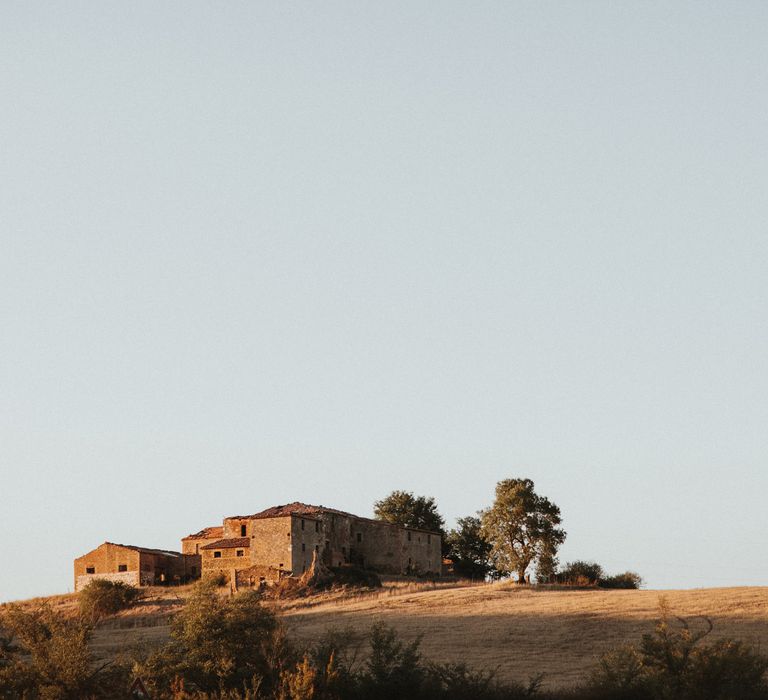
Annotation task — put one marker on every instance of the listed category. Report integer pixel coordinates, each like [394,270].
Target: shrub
[581,573]
[355,577]
[629,579]
[673,663]
[219,644]
[218,579]
[49,658]
[101,598]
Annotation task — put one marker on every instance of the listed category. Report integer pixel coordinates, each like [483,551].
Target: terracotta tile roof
[295,508]
[206,533]
[229,543]
[147,550]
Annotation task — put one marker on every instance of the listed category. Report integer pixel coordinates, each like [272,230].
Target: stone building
[137,566]
[282,540]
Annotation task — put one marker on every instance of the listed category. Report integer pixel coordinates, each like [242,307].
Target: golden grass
[518,631]
[524,631]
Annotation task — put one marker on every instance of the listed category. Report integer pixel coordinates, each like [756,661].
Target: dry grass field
[518,631]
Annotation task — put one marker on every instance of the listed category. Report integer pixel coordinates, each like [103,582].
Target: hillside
[518,631]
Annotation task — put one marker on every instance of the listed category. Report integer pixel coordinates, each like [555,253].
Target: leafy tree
[470,551]
[521,527]
[403,508]
[546,565]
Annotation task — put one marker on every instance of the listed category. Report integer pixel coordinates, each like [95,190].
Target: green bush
[628,580]
[49,658]
[219,644]
[673,663]
[218,579]
[101,598]
[581,573]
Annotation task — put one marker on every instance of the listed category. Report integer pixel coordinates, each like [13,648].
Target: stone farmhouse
[281,541]
[138,566]
[266,546]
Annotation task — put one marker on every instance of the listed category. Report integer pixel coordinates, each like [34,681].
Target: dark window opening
[302,524]
[90,569]
[239,552]
[243,530]
[122,567]
[359,536]
[409,536]
[429,539]
[217,555]
[303,547]
[317,526]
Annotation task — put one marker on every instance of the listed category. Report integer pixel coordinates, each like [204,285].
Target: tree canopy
[521,527]
[403,508]
[469,550]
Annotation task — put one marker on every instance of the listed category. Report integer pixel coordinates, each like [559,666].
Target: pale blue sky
[254,253]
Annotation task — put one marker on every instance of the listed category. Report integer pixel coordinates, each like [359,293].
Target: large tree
[521,526]
[469,550]
[403,508]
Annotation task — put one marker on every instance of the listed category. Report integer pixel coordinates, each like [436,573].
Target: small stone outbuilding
[137,566]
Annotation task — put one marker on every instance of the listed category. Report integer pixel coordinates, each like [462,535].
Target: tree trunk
[521,574]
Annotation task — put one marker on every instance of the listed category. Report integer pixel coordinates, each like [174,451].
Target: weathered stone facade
[265,546]
[191,543]
[138,566]
[282,540]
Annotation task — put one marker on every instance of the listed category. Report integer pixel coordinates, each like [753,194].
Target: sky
[252,253]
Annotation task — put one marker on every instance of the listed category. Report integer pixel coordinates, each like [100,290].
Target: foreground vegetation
[237,648]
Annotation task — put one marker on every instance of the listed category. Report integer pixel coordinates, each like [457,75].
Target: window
[302,524]
[409,536]
[122,567]
[217,555]
[429,539]
[239,552]
[317,526]
[243,531]
[359,536]
[90,569]
[303,547]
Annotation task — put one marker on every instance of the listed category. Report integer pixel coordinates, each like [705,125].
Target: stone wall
[105,559]
[211,564]
[141,567]
[307,537]
[254,576]
[271,543]
[130,577]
